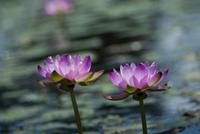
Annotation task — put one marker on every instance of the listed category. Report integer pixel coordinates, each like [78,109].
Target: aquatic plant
[135,80]
[56,7]
[66,71]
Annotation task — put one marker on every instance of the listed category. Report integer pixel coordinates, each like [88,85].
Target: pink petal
[116,97]
[49,64]
[49,59]
[67,5]
[85,77]
[146,64]
[75,66]
[77,59]
[96,75]
[64,65]
[90,78]
[66,58]
[55,7]
[133,66]
[138,84]
[122,85]
[154,79]
[68,67]
[86,65]
[69,75]
[56,64]
[117,80]
[126,73]
[143,83]
[42,71]
[50,8]
[140,72]
[153,68]
[134,82]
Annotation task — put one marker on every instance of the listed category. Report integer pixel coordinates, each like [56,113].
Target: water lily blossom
[71,68]
[134,78]
[55,7]
[65,71]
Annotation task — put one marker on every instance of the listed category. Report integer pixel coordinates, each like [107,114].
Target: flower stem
[140,96]
[76,112]
[143,117]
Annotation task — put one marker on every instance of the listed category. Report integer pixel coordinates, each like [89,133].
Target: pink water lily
[63,72]
[71,68]
[55,7]
[48,67]
[134,78]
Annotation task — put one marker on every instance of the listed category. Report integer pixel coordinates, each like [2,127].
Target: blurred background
[113,32]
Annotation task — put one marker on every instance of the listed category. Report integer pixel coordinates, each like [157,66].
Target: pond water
[28,108]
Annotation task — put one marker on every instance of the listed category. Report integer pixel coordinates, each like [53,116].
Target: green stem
[142,112]
[76,112]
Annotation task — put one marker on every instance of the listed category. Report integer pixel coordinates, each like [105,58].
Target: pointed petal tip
[90,77]
[140,66]
[116,97]
[111,75]
[108,97]
[86,65]
[85,77]
[121,66]
[88,58]
[155,79]
[41,71]
[96,75]
[166,71]
[132,65]
[100,72]
[38,68]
